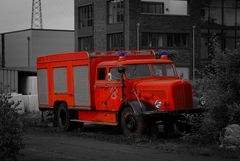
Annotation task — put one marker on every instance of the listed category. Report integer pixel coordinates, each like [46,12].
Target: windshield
[149,70]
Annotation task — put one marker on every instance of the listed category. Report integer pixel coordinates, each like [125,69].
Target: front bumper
[169,115]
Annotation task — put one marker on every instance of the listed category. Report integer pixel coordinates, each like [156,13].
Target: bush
[219,84]
[11,129]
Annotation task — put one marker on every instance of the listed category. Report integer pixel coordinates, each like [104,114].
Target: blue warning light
[164,53]
[121,54]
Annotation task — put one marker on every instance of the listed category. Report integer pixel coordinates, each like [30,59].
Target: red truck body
[92,88]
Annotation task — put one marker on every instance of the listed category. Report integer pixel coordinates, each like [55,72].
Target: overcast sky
[16,14]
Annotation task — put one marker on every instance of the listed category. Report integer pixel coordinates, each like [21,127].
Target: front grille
[182,95]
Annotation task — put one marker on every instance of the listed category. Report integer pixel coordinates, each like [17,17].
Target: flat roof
[20,69]
[11,32]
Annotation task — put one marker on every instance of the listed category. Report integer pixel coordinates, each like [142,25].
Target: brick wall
[83,32]
[100,25]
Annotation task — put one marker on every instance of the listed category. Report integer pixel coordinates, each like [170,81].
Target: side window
[115,75]
[101,73]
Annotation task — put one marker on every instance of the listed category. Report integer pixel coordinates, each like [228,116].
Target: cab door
[108,91]
[114,90]
[101,89]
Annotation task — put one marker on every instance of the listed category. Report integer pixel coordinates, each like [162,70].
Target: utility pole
[138,36]
[36,21]
[193,53]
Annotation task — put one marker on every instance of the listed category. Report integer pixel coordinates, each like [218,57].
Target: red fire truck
[131,89]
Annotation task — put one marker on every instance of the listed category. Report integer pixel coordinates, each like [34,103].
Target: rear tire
[131,123]
[63,118]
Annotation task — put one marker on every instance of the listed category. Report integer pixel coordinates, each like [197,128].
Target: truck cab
[145,89]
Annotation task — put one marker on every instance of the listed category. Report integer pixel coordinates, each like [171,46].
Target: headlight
[202,101]
[158,104]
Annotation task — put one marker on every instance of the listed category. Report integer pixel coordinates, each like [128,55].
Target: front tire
[131,123]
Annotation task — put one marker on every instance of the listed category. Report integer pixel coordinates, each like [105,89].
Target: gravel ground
[106,143]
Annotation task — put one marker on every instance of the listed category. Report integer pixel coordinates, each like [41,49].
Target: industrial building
[19,51]
[185,28]
[162,25]
[220,21]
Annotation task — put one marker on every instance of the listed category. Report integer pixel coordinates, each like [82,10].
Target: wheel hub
[131,123]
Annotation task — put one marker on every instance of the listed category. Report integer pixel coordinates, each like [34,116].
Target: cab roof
[137,61]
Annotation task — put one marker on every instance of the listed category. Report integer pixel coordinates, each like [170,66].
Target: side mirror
[121,69]
[181,76]
[109,76]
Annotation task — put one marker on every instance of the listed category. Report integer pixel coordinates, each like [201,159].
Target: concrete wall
[23,47]
[16,49]
[50,42]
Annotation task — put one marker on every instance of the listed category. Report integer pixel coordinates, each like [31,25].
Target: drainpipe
[138,36]
[3,50]
[193,53]
[28,40]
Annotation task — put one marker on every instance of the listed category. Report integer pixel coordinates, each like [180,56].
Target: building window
[177,40]
[152,40]
[153,7]
[229,12]
[85,44]
[225,14]
[163,40]
[115,41]
[157,7]
[115,11]
[219,12]
[85,16]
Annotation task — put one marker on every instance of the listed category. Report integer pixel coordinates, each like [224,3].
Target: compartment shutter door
[81,86]
[60,80]
[42,86]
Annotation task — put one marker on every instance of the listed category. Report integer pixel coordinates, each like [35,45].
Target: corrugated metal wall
[8,80]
